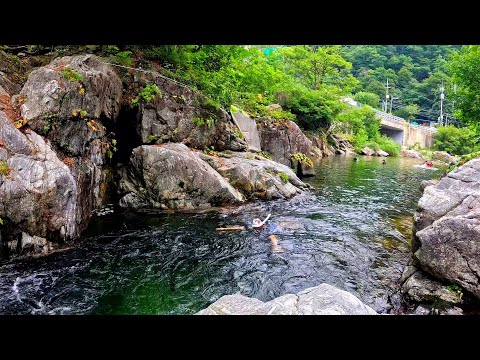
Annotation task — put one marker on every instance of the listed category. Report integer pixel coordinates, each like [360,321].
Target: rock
[3,92]
[324,299]
[341,146]
[454,311]
[444,157]
[381,153]
[447,228]
[170,176]
[39,196]
[426,183]
[12,74]
[367,151]
[421,310]
[410,153]
[182,115]
[54,99]
[255,176]
[282,139]
[273,107]
[420,288]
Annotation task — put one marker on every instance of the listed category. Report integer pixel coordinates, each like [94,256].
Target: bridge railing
[391,117]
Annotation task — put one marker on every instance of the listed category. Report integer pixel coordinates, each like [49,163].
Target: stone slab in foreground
[323,299]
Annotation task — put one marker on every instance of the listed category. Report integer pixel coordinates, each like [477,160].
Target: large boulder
[324,299]
[281,139]
[444,157]
[447,228]
[367,151]
[73,100]
[255,176]
[38,193]
[410,153]
[178,114]
[171,176]
[381,153]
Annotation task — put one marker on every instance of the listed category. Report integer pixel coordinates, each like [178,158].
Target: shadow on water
[353,231]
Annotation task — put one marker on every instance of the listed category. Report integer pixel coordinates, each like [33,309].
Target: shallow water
[353,231]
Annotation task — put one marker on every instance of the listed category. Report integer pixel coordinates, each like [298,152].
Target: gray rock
[447,228]
[444,157]
[52,100]
[421,310]
[420,288]
[170,118]
[39,195]
[367,151]
[324,299]
[170,176]
[255,176]
[410,153]
[282,139]
[426,183]
[381,153]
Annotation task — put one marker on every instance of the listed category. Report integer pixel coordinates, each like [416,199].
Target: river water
[353,231]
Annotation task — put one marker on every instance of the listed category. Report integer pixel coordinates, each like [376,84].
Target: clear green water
[352,231]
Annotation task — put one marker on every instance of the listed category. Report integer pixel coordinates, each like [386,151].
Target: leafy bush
[283,176]
[124,58]
[301,158]
[265,155]
[147,95]
[4,169]
[71,74]
[456,141]
[367,98]
[201,121]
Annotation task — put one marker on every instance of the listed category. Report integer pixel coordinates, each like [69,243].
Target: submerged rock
[447,228]
[324,299]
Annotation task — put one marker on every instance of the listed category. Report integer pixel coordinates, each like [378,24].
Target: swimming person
[384,162]
[257,224]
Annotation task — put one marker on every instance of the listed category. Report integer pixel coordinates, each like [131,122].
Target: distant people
[355,158]
[428,163]
[384,161]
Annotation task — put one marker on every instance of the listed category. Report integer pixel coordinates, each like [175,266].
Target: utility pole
[453,102]
[391,103]
[442,96]
[386,97]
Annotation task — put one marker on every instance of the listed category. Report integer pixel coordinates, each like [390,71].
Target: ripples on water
[352,231]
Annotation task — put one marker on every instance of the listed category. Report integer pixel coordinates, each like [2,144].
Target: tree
[408,112]
[456,141]
[464,69]
[367,98]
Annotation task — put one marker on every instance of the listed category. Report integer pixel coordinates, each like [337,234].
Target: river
[352,231]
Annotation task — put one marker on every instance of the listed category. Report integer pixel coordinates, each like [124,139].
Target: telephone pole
[442,96]
[386,97]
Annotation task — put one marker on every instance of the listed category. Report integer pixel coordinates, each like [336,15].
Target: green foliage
[71,74]
[456,141]
[1,221]
[211,151]
[456,289]
[146,95]
[408,112]
[463,159]
[301,158]
[4,169]
[265,155]
[368,98]
[124,58]
[209,122]
[388,145]
[152,139]
[283,176]
[464,69]
[238,133]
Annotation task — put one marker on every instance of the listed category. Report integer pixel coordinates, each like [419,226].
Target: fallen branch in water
[231,228]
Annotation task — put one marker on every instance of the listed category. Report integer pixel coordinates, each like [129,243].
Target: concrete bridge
[401,130]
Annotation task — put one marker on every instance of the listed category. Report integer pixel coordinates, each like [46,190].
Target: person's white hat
[256,223]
